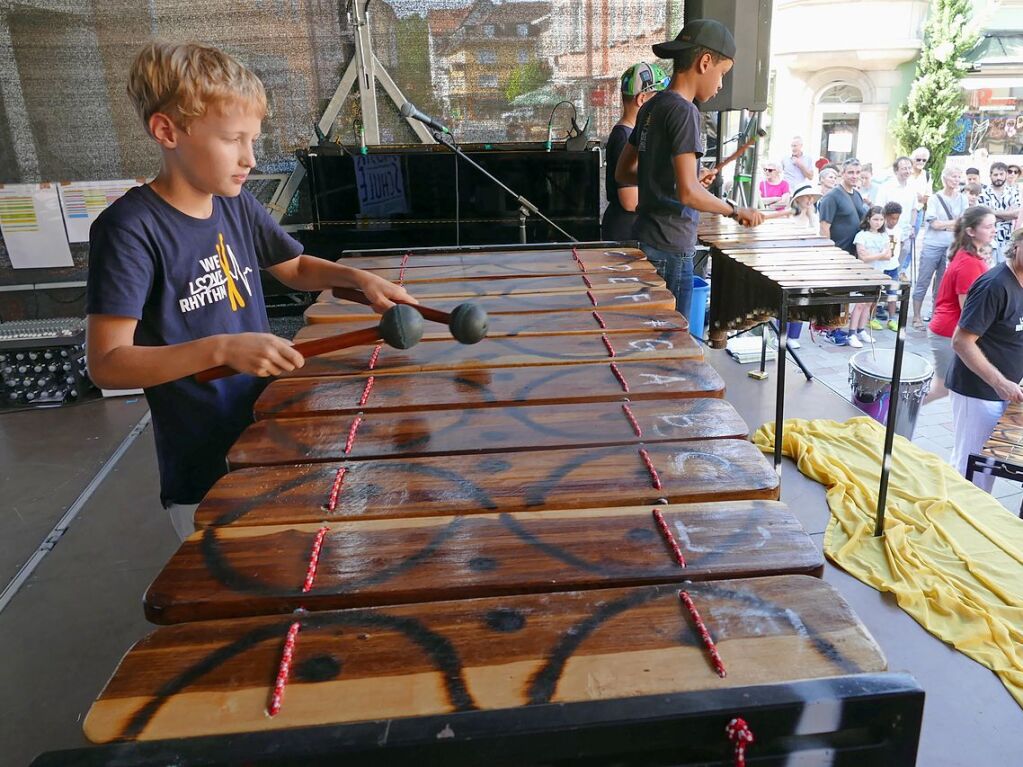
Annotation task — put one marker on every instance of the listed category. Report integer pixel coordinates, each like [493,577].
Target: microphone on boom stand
[409,112]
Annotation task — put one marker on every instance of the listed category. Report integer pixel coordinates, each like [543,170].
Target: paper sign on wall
[83,201]
[33,226]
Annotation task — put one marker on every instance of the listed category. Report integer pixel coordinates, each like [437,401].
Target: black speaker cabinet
[745,87]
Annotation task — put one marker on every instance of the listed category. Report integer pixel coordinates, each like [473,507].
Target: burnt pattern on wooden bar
[442,390]
[721,469]
[500,353]
[442,646]
[519,303]
[221,574]
[450,432]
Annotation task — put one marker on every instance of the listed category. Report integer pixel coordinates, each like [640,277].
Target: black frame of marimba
[997,467]
[859,719]
[822,296]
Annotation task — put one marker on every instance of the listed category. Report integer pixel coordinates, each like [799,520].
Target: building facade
[841,70]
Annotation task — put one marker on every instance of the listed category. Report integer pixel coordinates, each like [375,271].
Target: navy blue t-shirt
[666,126]
[183,279]
[617,222]
[844,211]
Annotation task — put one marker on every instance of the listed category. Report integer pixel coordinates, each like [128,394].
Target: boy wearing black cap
[663,153]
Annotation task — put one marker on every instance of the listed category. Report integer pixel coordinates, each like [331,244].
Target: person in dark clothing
[663,154]
[985,375]
[639,83]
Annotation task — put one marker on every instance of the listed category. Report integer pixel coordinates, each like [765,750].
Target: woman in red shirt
[974,231]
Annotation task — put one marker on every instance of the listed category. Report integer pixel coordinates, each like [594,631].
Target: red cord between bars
[599,319]
[650,467]
[336,488]
[284,669]
[632,419]
[401,271]
[708,642]
[350,443]
[739,733]
[587,281]
[607,345]
[365,392]
[669,537]
[375,356]
[314,559]
[593,298]
[620,377]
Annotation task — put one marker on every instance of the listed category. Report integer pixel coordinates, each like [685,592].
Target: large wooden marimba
[759,272]
[547,548]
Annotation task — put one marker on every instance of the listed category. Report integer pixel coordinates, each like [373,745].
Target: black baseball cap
[705,33]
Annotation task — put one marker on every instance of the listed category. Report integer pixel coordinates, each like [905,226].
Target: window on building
[488,81]
[486,57]
[522,30]
[839,110]
[488,30]
[841,93]
[523,56]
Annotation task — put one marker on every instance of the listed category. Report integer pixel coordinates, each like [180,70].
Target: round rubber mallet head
[468,323]
[401,326]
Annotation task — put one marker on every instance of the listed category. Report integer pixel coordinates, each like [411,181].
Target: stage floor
[65,630]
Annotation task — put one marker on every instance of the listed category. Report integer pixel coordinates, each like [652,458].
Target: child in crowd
[973,192]
[892,215]
[874,247]
[803,210]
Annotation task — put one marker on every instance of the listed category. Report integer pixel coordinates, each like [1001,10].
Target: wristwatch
[735,210]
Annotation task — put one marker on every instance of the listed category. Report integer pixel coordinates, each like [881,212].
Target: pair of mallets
[401,326]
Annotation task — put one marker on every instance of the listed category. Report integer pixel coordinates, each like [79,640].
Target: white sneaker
[855,342]
[793,343]
[865,337]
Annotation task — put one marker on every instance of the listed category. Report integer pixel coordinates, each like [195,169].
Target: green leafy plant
[935,101]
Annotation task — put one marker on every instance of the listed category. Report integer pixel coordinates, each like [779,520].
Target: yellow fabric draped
[951,555]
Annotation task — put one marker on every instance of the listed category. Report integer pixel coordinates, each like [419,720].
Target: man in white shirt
[797,169]
[943,210]
[898,189]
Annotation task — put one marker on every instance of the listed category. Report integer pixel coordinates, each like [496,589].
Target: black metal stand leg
[763,351]
[893,409]
[779,403]
[793,352]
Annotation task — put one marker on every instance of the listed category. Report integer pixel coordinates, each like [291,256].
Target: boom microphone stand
[525,206]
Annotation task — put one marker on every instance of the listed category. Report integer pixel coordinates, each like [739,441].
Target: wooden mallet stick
[467,322]
[401,326]
[738,152]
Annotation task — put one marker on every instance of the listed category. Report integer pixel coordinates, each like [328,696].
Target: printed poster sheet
[33,226]
[83,201]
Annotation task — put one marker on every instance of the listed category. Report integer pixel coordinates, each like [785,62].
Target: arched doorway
[838,112]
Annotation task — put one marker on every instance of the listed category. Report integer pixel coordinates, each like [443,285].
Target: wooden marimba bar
[1002,454]
[542,548]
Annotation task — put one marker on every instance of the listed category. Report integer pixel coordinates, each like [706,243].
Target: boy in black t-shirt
[173,269]
[639,83]
[662,157]
[988,342]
